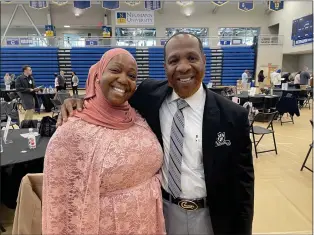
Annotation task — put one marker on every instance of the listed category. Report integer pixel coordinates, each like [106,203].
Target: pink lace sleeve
[62,185]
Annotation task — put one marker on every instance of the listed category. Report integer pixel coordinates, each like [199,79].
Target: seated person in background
[25,86]
[100,166]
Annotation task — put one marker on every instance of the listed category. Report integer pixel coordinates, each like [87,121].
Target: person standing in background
[304,78]
[245,79]
[296,81]
[25,86]
[75,82]
[61,81]
[56,82]
[275,78]
[7,79]
[261,78]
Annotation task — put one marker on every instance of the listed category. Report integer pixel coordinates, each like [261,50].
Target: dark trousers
[59,88]
[74,88]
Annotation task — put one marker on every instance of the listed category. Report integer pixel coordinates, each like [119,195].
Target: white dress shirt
[245,77]
[192,170]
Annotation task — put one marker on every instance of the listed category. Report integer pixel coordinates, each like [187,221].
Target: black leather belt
[186,204]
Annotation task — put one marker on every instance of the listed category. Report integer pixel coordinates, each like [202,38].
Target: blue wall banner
[246,6]
[219,3]
[38,4]
[152,5]
[111,5]
[91,42]
[26,41]
[49,30]
[60,2]
[82,4]
[275,5]
[163,41]
[302,30]
[225,42]
[12,41]
[106,31]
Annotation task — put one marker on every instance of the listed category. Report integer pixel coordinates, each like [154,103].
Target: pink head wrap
[97,109]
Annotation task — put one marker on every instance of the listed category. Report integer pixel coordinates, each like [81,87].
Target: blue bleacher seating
[44,63]
[235,60]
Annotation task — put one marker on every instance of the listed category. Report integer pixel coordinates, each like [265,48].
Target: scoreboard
[302,30]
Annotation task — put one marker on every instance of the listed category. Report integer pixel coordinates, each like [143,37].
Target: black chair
[261,131]
[303,99]
[307,155]
[288,104]
[56,107]
[258,102]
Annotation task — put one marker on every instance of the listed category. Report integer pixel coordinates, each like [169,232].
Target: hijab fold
[98,110]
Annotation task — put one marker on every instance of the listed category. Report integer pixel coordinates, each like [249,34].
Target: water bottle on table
[31,139]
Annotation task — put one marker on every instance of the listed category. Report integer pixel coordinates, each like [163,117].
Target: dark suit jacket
[23,89]
[229,172]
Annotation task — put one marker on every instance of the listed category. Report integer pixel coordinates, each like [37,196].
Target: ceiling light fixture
[67,26]
[184,3]
[77,14]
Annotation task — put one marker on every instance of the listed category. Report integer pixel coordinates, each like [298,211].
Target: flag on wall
[38,4]
[152,5]
[49,30]
[275,5]
[106,31]
[82,4]
[219,3]
[132,3]
[246,5]
[111,5]
[60,2]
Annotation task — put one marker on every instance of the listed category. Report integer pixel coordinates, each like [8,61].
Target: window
[246,35]
[202,33]
[135,36]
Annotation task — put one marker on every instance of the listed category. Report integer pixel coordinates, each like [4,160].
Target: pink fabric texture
[97,109]
[102,181]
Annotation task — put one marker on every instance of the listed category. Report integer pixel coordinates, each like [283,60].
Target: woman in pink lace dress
[100,174]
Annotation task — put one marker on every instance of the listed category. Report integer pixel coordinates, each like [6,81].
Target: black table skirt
[15,165]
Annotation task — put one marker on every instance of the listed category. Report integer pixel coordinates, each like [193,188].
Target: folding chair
[259,130]
[56,107]
[307,155]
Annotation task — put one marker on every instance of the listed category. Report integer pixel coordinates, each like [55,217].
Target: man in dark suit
[207,175]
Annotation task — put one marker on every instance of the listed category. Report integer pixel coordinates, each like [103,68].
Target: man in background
[25,86]
[304,78]
[61,81]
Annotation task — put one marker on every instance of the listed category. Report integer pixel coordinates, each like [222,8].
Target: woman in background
[75,82]
[56,82]
[101,165]
[7,79]
[261,78]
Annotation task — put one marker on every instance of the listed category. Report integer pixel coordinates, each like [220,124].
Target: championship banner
[275,5]
[111,5]
[106,31]
[26,41]
[246,6]
[82,4]
[219,3]
[60,2]
[38,4]
[132,3]
[12,41]
[49,30]
[152,5]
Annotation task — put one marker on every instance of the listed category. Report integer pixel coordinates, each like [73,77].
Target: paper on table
[25,135]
